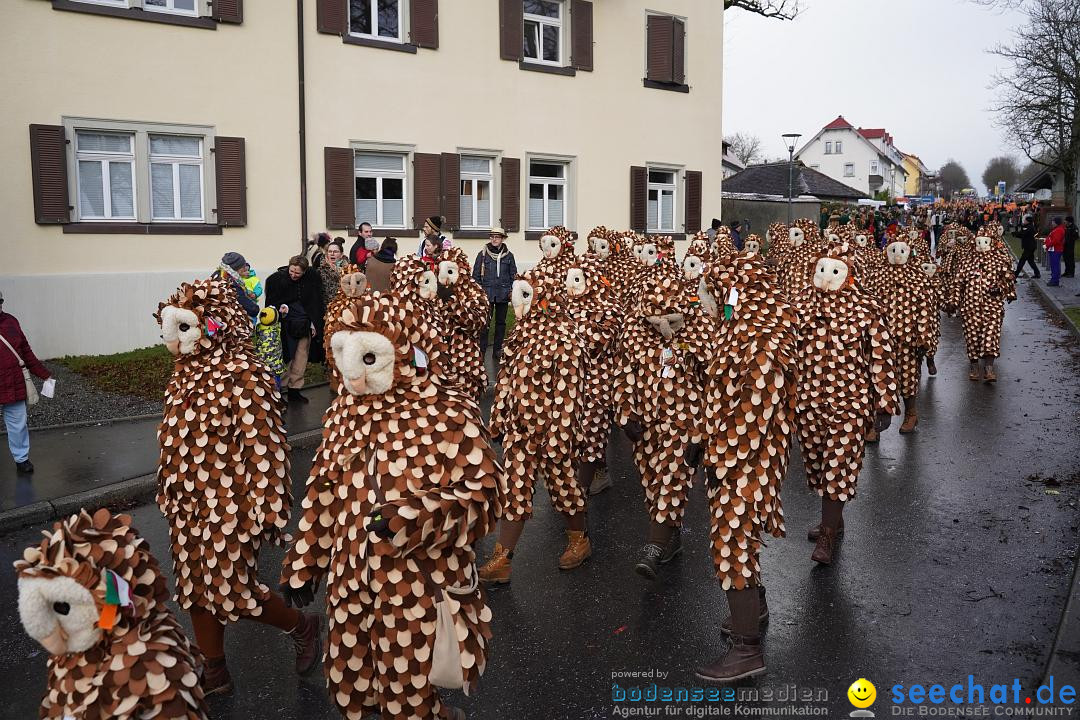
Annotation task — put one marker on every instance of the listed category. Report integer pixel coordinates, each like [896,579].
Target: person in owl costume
[752,245]
[556,252]
[937,292]
[538,412]
[353,283]
[404,482]
[94,597]
[796,269]
[980,283]
[867,254]
[223,475]
[846,387]
[904,291]
[746,423]
[722,245]
[658,387]
[777,237]
[617,268]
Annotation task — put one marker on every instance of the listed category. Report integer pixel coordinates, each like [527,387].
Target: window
[547,194]
[379,19]
[828,148]
[475,200]
[380,189]
[849,169]
[661,204]
[176,192]
[875,168]
[839,147]
[180,7]
[543,31]
[106,175]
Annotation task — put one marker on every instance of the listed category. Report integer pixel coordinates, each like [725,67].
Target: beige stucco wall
[464,96]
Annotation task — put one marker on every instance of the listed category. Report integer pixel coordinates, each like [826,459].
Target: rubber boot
[911,416]
[578,550]
[743,660]
[496,570]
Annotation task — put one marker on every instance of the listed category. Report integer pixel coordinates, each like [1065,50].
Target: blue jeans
[18,435]
[1055,266]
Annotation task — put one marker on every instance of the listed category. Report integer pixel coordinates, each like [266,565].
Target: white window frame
[875,167]
[379,176]
[548,182]
[402,32]
[141,185]
[838,148]
[176,161]
[105,158]
[828,148]
[476,178]
[542,20]
[170,8]
[660,188]
[849,169]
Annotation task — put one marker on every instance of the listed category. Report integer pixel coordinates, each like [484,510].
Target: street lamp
[790,140]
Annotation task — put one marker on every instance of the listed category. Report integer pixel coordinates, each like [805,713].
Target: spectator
[711,232]
[16,358]
[1069,255]
[296,292]
[317,249]
[433,229]
[268,342]
[1055,244]
[431,250]
[495,269]
[330,273]
[381,265]
[229,270]
[342,261]
[251,282]
[736,236]
[1026,235]
[364,246]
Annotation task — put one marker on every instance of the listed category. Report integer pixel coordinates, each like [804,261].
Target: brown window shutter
[48,166]
[660,34]
[510,187]
[340,188]
[427,187]
[678,52]
[451,190]
[229,162]
[424,23]
[581,41]
[511,29]
[228,11]
[639,195]
[331,16]
[693,201]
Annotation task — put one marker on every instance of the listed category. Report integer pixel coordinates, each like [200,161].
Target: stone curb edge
[123,492]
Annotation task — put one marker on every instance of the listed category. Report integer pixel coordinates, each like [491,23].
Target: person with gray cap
[16,358]
[229,270]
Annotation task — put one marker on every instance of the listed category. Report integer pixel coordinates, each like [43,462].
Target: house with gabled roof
[863,158]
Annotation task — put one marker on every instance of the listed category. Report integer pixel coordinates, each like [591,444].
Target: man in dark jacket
[1026,234]
[365,246]
[495,270]
[1069,254]
[295,290]
[736,234]
[13,386]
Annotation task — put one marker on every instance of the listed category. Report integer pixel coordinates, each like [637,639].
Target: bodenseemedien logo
[862,695]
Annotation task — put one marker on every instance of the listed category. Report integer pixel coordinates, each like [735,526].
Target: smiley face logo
[862,693]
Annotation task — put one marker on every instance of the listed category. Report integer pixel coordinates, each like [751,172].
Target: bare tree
[953,178]
[1038,95]
[746,147]
[776,9]
[1000,168]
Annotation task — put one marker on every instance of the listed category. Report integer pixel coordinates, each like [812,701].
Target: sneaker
[26,467]
[674,547]
[215,678]
[307,640]
[648,560]
[744,659]
[763,613]
[294,394]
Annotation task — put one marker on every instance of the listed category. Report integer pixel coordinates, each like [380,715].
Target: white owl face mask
[576,284]
[366,361]
[982,244]
[861,240]
[521,297]
[601,248]
[448,272]
[429,286]
[752,246]
[692,267]
[796,236]
[550,246]
[898,253]
[929,268]
[830,274]
[649,255]
[59,613]
[180,330]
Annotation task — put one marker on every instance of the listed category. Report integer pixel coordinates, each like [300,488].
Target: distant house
[731,163]
[863,158]
[918,178]
[758,195]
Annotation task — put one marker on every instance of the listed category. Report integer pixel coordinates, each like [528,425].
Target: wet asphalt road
[957,561]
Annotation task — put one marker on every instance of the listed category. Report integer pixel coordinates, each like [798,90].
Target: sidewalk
[70,462]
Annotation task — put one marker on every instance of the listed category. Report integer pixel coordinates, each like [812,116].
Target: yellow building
[916,176]
[145,138]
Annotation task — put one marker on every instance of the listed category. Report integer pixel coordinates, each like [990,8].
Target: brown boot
[578,550]
[826,545]
[601,481]
[449,712]
[215,678]
[911,417]
[973,372]
[307,639]
[812,533]
[872,435]
[497,569]
[744,659]
[988,373]
[763,613]
[931,366]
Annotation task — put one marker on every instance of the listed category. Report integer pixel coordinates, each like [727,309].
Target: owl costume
[612,254]
[796,267]
[94,597]
[403,484]
[937,294]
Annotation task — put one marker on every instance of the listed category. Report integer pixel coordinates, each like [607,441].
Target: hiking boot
[648,559]
[215,677]
[911,418]
[743,660]
[295,396]
[307,640]
[872,435]
[763,613]
[497,569]
[674,547]
[826,546]
[601,481]
[25,467]
[931,366]
[578,550]
[989,375]
[812,533]
[973,372]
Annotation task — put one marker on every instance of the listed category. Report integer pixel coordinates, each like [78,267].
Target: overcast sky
[918,68]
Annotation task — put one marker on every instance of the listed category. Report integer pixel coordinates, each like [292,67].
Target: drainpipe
[303,123]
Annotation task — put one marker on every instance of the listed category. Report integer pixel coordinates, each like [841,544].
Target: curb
[124,492]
